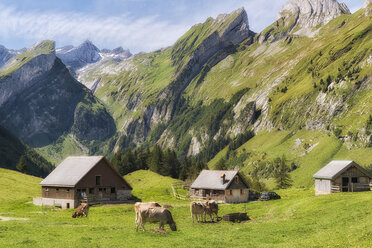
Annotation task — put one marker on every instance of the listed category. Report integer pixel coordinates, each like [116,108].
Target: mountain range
[302,86]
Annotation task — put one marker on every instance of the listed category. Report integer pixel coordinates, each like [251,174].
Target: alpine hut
[89,178]
[220,185]
[341,176]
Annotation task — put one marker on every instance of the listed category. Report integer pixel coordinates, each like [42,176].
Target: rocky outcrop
[215,44]
[310,13]
[366,3]
[40,101]
[77,57]
[26,75]
[6,55]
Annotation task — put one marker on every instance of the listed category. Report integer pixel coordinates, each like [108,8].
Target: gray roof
[211,179]
[336,168]
[71,171]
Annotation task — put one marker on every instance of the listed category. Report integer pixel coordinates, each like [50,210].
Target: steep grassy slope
[298,220]
[11,151]
[159,97]
[308,151]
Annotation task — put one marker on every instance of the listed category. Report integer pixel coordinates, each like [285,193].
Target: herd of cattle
[153,212]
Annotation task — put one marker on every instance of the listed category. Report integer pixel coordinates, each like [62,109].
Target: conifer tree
[22,164]
[281,173]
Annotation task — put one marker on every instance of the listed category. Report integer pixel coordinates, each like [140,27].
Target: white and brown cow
[210,208]
[155,215]
[197,209]
[82,210]
[143,205]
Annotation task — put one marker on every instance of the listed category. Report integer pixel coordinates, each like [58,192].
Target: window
[78,190]
[67,205]
[84,190]
[91,191]
[100,189]
[236,179]
[98,180]
[57,189]
[354,180]
[47,189]
[241,191]
[68,190]
[113,190]
[230,191]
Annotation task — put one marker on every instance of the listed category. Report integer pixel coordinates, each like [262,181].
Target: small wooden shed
[342,176]
[220,185]
[90,178]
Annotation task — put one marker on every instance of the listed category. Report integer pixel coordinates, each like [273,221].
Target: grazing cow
[143,205]
[210,208]
[198,210]
[154,215]
[82,210]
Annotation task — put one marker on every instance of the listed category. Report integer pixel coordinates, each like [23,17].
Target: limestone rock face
[77,57]
[40,100]
[310,13]
[366,3]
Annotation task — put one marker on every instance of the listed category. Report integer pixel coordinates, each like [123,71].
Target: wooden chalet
[342,176]
[220,185]
[83,178]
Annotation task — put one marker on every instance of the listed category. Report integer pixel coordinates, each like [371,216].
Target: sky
[138,25]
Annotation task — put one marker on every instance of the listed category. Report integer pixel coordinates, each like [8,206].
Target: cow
[143,205]
[197,209]
[82,210]
[155,215]
[210,208]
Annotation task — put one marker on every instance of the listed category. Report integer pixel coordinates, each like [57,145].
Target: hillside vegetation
[12,150]
[298,220]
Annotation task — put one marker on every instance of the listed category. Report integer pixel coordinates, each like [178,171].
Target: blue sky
[140,25]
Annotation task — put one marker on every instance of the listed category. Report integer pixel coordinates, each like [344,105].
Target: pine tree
[281,173]
[22,164]
[221,165]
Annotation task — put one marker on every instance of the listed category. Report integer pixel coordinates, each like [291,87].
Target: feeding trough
[235,217]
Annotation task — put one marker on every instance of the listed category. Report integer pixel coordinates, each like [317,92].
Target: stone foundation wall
[50,202]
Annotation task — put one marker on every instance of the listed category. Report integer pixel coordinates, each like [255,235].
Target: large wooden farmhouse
[83,178]
[341,176]
[226,186]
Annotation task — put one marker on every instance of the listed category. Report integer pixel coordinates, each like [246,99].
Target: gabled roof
[71,171]
[337,167]
[211,179]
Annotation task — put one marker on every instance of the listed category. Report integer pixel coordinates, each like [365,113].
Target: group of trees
[164,162]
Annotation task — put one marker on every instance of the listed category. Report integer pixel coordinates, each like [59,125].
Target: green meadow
[299,219]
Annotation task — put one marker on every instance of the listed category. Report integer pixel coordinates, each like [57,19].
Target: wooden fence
[351,188]
[176,186]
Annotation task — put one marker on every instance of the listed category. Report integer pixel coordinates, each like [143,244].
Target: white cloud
[143,34]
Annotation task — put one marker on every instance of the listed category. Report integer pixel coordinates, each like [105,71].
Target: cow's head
[74,215]
[173,226]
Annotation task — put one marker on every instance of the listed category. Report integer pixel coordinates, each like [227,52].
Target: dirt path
[2,218]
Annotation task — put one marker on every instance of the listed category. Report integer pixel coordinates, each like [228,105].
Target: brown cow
[154,215]
[211,207]
[143,205]
[82,210]
[197,209]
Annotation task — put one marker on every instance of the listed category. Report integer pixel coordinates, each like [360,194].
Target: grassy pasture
[298,220]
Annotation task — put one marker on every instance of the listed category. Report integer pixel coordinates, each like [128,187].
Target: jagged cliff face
[77,57]
[310,13]
[366,3]
[39,100]
[6,54]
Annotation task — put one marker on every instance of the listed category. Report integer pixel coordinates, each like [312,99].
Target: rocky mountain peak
[366,3]
[77,57]
[310,13]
